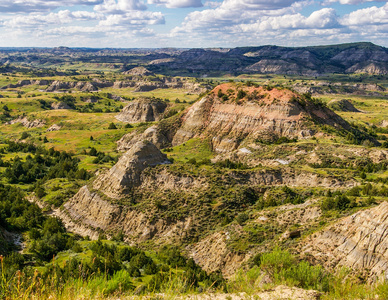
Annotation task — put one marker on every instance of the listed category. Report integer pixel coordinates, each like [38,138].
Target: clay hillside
[232,115]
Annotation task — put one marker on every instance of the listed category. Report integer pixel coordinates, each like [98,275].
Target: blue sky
[190,23]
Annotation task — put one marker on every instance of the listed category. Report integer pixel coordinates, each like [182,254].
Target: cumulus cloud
[324,18]
[7,6]
[134,18]
[177,3]
[61,17]
[228,17]
[120,6]
[370,15]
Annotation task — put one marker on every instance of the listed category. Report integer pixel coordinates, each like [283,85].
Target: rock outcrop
[54,127]
[329,88]
[59,105]
[152,134]
[212,254]
[125,174]
[359,241]
[139,71]
[25,82]
[85,86]
[253,113]
[27,123]
[142,110]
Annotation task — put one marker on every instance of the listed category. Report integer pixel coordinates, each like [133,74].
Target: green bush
[120,282]
[283,267]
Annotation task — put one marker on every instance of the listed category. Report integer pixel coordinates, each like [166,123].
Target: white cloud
[324,18]
[61,17]
[177,3]
[134,18]
[212,4]
[7,6]
[120,6]
[370,15]
[229,18]
[257,4]
[243,27]
[350,2]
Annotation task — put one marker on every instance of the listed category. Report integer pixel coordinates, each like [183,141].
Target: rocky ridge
[125,174]
[328,88]
[27,123]
[230,114]
[307,61]
[140,79]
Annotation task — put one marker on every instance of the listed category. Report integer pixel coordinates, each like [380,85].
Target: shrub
[242,218]
[24,135]
[283,267]
[241,94]
[121,281]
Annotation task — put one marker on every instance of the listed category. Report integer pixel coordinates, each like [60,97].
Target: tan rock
[125,174]
[142,110]
[359,241]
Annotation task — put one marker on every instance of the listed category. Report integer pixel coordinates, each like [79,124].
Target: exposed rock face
[87,212]
[212,254]
[117,98]
[328,88]
[142,110]
[151,134]
[84,86]
[54,127]
[368,68]
[139,71]
[126,173]
[26,123]
[25,82]
[270,114]
[278,66]
[292,178]
[359,241]
[59,105]
[346,58]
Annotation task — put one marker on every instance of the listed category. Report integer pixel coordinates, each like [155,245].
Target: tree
[112,126]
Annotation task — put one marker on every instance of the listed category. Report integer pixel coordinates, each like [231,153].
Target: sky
[191,23]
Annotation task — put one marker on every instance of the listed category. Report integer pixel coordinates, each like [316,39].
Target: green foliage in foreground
[283,267]
[105,268]
[108,274]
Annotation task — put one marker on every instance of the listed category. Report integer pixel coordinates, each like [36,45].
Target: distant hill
[343,58]
[311,61]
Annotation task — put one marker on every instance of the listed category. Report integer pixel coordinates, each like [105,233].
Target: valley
[245,173]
